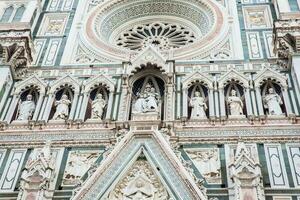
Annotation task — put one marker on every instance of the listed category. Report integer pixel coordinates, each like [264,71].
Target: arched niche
[240,93]
[99,84]
[148,78]
[59,95]
[31,86]
[270,77]
[189,82]
[204,92]
[278,94]
[65,85]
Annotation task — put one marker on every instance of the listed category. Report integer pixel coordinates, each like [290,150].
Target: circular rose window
[118,28]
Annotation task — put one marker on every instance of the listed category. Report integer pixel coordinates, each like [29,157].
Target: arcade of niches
[150,99]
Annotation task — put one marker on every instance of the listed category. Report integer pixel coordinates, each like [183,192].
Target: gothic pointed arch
[270,74]
[33,80]
[66,80]
[173,174]
[197,77]
[233,75]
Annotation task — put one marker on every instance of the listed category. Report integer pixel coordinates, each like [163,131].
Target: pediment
[197,77]
[233,75]
[269,73]
[166,167]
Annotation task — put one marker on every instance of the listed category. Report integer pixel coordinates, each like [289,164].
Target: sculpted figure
[98,106]
[198,107]
[62,108]
[140,104]
[152,100]
[26,109]
[235,104]
[272,102]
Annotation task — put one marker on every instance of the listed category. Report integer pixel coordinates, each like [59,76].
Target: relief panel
[12,170]
[39,45]
[276,167]
[207,162]
[78,164]
[268,38]
[257,17]
[53,24]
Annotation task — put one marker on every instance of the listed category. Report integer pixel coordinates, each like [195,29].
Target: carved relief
[140,182]
[207,162]
[77,165]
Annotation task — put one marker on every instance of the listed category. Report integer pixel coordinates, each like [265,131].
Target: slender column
[211,102]
[79,106]
[248,101]
[217,110]
[5,96]
[12,108]
[41,114]
[84,105]
[48,107]
[4,111]
[109,106]
[123,103]
[222,102]
[259,102]
[185,103]
[179,105]
[38,107]
[73,106]
[283,6]
[287,102]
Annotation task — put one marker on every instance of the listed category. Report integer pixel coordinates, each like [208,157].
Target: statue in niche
[198,106]
[26,109]
[98,106]
[272,102]
[235,104]
[208,163]
[62,108]
[147,100]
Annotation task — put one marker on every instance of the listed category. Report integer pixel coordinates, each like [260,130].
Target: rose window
[165,36]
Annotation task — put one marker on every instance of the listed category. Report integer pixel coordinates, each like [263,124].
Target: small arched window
[7,14]
[19,14]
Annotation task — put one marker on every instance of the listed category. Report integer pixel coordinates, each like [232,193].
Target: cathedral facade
[150,100]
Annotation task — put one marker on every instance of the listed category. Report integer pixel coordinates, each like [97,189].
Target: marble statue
[198,107]
[147,101]
[98,106]
[235,104]
[62,108]
[26,109]
[272,102]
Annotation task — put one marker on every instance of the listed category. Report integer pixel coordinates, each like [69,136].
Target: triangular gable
[233,74]
[268,73]
[148,56]
[65,80]
[197,77]
[157,151]
[99,79]
[32,80]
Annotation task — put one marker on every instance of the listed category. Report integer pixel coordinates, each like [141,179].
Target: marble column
[7,90]
[79,106]
[259,102]
[217,111]
[222,102]
[73,106]
[185,103]
[85,100]
[4,111]
[51,98]
[13,106]
[41,114]
[109,105]
[211,103]
[283,6]
[248,102]
[287,102]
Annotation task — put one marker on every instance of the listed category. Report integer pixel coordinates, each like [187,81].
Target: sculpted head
[152,89]
[271,91]
[29,97]
[99,96]
[148,88]
[197,94]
